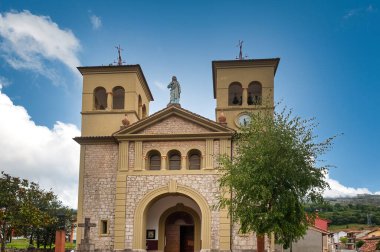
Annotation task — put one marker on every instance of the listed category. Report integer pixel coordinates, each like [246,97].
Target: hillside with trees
[348,212]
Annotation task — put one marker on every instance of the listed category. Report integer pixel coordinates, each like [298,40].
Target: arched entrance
[179,233]
[179,230]
[141,216]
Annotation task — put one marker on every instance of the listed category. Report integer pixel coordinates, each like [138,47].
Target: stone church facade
[150,182]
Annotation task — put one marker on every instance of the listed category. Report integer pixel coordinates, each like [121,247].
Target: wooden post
[260,243]
[60,241]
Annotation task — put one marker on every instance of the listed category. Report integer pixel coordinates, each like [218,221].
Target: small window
[100,98]
[254,93]
[104,227]
[235,93]
[143,111]
[154,160]
[194,157]
[174,160]
[118,98]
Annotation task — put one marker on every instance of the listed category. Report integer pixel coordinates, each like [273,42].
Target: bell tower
[111,94]
[243,86]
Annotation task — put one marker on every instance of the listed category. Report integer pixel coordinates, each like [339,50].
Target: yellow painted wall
[105,122]
[244,72]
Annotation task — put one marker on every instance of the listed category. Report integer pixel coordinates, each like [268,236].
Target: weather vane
[119,59]
[240,45]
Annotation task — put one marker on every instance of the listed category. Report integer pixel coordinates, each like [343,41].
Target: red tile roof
[369,246]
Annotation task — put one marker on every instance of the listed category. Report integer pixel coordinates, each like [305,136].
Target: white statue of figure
[175,90]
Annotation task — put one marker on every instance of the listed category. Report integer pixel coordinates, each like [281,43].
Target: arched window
[194,157]
[118,98]
[154,160]
[254,93]
[100,98]
[143,111]
[235,93]
[174,160]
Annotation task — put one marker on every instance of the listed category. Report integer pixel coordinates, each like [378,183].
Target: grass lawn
[24,243]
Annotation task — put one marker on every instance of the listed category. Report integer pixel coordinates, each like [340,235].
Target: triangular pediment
[174,121]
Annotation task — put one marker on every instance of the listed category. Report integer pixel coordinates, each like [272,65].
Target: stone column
[183,162]
[272,248]
[163,163]
[224,230]
[109,100]
[209,154]
[120,211]
[245,96]
[123,156]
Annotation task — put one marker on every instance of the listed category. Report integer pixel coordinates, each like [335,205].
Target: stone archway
[140,215]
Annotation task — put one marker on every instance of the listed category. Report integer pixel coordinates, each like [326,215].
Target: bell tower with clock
[243,86]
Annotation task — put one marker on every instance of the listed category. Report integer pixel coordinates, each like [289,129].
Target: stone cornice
[95,140]
[171,137]
[245,108]
[170,172]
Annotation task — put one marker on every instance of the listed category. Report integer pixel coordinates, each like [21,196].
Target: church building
[150,181]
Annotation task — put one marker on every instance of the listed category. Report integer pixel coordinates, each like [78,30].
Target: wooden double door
[179,233]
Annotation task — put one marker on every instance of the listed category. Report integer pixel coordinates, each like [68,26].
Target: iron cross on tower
[119,60]
[240,45]
[87,225]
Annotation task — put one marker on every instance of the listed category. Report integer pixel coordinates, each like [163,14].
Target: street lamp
[61,220]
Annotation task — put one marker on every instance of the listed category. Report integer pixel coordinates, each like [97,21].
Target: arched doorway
[201,220]
[180,229]
[179,232]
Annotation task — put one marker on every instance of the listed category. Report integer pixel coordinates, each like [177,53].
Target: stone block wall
[174,125]
[246,242]
[99,186]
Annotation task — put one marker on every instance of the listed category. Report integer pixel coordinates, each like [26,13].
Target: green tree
[11,189]
[30,211]
[343,240]
[274,172]
[359,243]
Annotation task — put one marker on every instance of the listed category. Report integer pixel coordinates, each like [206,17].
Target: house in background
[316,239]
[338,235]
[370,241]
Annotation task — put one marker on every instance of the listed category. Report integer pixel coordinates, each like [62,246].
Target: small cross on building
[87,225]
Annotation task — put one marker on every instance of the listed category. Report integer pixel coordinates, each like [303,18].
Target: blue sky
[329,69]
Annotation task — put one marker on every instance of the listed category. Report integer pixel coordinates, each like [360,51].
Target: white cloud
[339,190]
[4,82]
[159,85]
[49,157]
[359,11]
[33,42]
[96,22]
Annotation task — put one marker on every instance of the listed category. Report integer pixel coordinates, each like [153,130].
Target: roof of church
[216,129]
[245,62]
[176,109]
[122,68]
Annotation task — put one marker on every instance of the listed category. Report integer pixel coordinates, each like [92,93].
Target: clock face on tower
[243,120]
